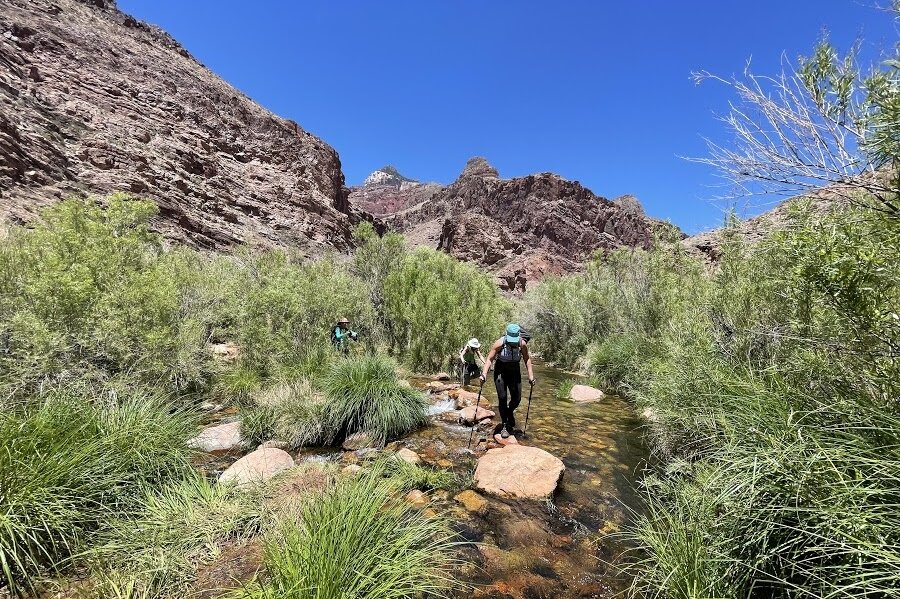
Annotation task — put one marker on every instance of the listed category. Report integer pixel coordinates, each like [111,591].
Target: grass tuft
[358,540]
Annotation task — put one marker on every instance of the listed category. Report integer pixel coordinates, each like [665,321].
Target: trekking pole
[528,410]
[475,415]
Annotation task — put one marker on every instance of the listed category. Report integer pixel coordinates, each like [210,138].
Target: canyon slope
[93,101]
[519,229]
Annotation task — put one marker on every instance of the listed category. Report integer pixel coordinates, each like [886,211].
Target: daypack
[510,353]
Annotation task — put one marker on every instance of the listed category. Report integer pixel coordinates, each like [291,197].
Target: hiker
[340,334]
[508,352]
[467,356]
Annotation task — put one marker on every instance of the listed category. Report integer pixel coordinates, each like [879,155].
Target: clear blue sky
[599,92]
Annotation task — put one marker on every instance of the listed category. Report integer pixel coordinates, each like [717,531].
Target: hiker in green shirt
[341,335]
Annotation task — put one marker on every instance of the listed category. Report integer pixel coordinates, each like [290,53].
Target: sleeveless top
[510,353]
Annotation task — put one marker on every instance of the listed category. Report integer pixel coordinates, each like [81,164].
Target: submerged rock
[223,437]
[409,456]
[585,394]
[473,502]
[257,467]
[519,471]
[417,499]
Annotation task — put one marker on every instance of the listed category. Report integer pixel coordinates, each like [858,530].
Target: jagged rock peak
[479,167]
[631,204]
[387,175]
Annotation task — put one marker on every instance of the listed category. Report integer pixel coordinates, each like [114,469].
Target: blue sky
[597,91]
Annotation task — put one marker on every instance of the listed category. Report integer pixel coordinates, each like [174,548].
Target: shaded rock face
[520,229]
[93,101]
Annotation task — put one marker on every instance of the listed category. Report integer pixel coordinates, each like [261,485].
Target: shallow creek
[525,549]
[529,549]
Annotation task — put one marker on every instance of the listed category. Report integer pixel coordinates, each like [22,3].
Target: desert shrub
[289,308]
[358,540]
[433,303]
[177,528]
[88,293]
[365,395]
[70,464]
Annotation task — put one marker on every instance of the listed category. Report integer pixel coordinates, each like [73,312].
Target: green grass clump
[365,395]
[414,476]
[291,411]
[69,465]
[565,389]
[358,540]
[177,528]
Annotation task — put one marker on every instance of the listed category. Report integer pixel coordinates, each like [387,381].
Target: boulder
[409,456]
[464,398]
[437,387]
[441,376]
[473,502]
[470,415]
[417,499]
[257,467]
[519,471]
[223,437]
[360,440]
[351,469]
[585,394]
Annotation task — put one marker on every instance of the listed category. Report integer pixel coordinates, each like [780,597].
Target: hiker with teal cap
[508,351]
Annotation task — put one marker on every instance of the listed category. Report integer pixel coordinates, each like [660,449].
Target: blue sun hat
[512,333]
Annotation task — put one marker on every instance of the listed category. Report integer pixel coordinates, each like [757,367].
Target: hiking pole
[528,409]
[475,415]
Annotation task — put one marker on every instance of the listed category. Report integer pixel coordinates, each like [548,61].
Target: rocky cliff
[93,101]
[518,229]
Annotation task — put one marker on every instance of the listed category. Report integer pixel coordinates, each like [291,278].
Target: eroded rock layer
[93,101]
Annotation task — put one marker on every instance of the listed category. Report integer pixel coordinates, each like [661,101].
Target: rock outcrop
[519,471]
[519,229]
[93,101]
[386,191]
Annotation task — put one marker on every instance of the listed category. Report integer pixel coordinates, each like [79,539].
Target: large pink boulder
[585,394]
[519,471]
[257,467]
[223,437]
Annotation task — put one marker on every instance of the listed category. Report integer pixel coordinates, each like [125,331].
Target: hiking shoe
[504,434]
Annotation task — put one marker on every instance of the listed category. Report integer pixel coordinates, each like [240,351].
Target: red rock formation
[519,229]
[93,101]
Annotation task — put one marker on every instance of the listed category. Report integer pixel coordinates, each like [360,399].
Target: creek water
[567,547]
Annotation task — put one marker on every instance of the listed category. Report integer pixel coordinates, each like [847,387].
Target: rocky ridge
[518,229]
[93,101]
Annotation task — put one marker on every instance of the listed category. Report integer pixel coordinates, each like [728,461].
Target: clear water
[562,548]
